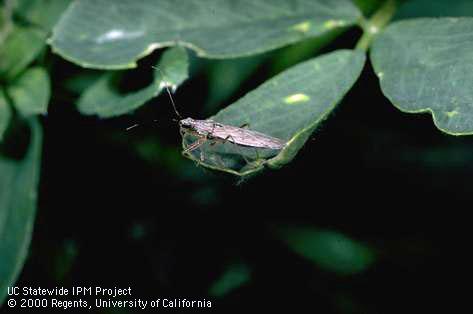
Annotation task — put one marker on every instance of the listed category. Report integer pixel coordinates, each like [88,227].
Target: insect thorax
[202,127]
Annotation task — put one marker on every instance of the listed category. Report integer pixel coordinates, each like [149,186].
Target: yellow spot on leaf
[333,24]
[302,27]
[296,98]
[451,114]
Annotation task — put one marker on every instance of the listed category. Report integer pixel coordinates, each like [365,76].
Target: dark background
[123,208]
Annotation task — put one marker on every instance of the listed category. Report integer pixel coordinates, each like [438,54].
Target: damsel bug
[209,130]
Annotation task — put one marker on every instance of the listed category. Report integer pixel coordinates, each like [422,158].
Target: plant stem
[376,23]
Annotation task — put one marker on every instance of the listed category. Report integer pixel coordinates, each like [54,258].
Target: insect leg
[200,141]
[218,160]
[184,138]
[210,134]
[238,147]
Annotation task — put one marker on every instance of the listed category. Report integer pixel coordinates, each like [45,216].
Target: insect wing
[247,138]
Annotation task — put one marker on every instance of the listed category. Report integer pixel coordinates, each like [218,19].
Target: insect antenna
[131,127]
[165,82]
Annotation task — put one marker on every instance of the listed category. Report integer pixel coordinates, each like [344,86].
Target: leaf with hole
[112,34]
[289,106]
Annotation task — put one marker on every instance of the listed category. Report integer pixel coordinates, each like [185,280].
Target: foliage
[18,193]
[422,65]
[330,250]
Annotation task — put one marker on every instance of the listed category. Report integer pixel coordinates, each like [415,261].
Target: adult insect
[211,131]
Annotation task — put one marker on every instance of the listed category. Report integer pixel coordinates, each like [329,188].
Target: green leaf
[226,76]
[289,106]
[20,48]
[329,250]
[81,81]
[291,55]
[41,13]
[30,92]
[18,194]
[424,65]
[26,42]
[5,114]
[112,34]
[104,99]
[234,277]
